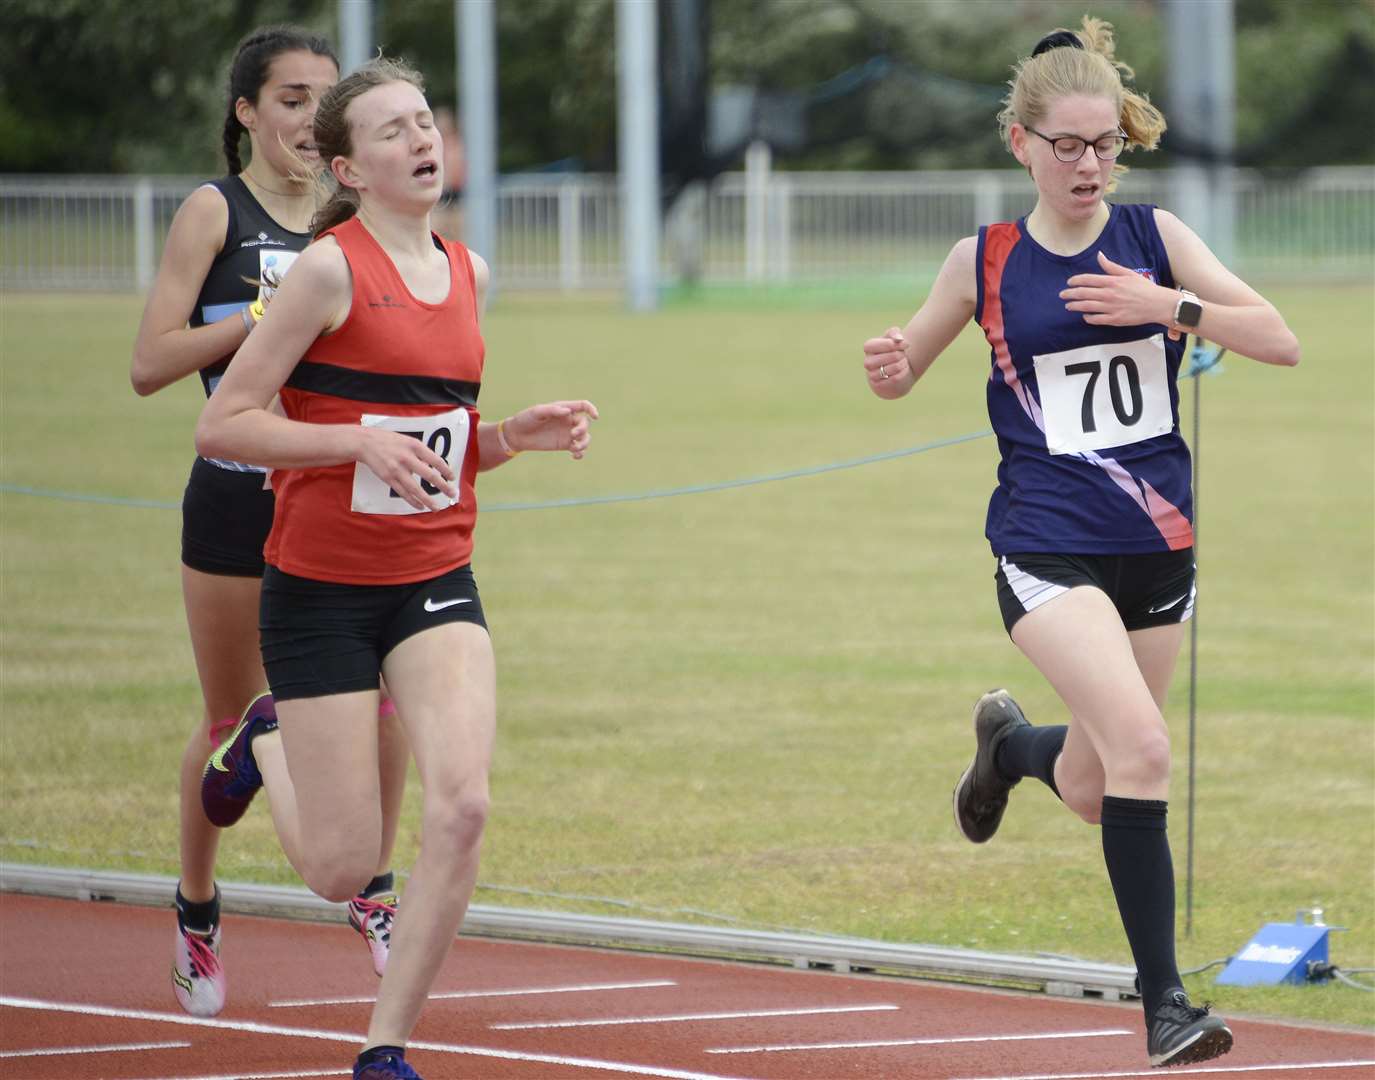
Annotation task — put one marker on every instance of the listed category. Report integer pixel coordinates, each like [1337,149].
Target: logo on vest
[262,240]
[386,301]
[1146,272]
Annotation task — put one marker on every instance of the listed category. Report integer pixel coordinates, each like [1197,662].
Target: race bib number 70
[445,433]
[1104,395]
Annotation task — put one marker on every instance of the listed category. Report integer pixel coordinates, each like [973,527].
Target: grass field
[750,702]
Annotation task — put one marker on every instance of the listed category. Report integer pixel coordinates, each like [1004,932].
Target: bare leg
[321,773]
[393,761]
[444,683]
[222,616]
[1117,740]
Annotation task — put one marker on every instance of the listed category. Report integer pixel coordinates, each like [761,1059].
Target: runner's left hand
[556,425]
[1119,297]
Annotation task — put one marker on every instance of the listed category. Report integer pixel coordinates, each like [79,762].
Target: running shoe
[372,917]
[197,974]
[1181,1033]
[390,1067]
[231,776]
[981,794]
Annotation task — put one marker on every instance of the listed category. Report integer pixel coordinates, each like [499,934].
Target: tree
[110,86]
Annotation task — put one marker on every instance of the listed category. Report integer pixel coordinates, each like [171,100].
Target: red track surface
[77,976]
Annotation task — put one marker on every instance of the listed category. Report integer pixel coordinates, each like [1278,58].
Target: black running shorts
[1154,589]
[225,519]
[323,637]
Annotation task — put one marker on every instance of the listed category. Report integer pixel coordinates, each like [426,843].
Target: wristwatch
[1188,310]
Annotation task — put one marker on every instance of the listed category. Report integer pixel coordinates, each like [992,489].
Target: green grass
[752,702]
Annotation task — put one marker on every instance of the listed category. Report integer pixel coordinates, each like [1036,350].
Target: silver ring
[882,371]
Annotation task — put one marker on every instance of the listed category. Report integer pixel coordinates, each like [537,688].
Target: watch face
[1188,313]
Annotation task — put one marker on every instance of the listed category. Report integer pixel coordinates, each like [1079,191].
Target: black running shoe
[1181,1033]
[981,795]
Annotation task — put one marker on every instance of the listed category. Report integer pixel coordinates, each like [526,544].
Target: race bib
[1104,395]
[445,433]
[273,263]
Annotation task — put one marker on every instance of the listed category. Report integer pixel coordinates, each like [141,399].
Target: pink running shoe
[372,917]
[197,974]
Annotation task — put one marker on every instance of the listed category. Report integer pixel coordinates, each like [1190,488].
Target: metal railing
[106,232]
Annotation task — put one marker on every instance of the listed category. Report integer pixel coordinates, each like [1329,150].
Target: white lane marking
[684,1017]
[919,1042]
[112,1048]
[1216,1070]
[262,1076]
[586,988]
[355,1038]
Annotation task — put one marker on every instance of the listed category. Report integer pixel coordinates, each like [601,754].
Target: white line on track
[350,1037]
[112,1048]
[919,1042]
[1206,1070]
[452,994]
[264,1076]
[685,1017]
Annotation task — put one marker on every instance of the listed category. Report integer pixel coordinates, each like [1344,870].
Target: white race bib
[1104,395]
[273,263]
[444,433]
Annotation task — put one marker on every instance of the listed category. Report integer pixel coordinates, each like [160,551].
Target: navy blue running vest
[1086,417]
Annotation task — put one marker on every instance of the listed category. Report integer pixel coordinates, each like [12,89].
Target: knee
[1145,762]
[455,820]
[338,870]
[1087,804]
[338,881]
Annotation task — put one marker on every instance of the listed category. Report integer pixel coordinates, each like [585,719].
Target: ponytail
[1067,63]
[230,140]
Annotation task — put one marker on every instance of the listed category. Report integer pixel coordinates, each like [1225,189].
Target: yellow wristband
[257,310]
[501,438]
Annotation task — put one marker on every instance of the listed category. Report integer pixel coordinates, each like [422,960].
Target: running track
[84,993]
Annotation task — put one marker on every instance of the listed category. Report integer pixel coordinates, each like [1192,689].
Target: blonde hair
[334,136]
[1092,71]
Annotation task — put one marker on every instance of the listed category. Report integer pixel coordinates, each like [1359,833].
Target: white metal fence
[63,232]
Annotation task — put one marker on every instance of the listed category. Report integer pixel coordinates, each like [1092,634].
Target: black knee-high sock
[1031,751]
[1137,852]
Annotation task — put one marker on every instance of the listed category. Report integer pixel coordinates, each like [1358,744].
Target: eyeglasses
[1071,148]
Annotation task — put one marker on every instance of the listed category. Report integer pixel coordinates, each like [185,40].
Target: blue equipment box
[1279,953]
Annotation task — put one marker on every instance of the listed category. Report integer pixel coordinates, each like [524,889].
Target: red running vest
[399,363]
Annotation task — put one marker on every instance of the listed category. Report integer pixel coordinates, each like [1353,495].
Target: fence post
[779,240]
[758,160]
[988,201]
[144,241]
[570,234]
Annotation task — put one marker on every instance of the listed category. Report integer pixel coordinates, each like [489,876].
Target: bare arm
[1234,314]
[165,349]
[895,361]
[238,424]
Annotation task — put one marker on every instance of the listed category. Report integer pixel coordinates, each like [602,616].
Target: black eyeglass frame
[1084,144]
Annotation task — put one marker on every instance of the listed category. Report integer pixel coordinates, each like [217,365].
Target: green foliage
[99,85]
[105,86]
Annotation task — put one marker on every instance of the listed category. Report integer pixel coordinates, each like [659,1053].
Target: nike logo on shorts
[430,605]
[1165,607]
